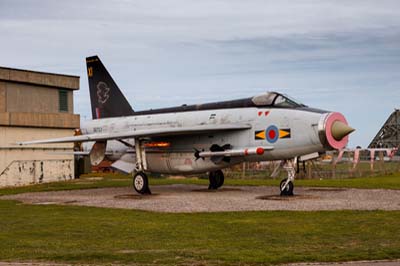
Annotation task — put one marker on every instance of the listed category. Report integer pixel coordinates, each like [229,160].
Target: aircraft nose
[340,130]
[334,131]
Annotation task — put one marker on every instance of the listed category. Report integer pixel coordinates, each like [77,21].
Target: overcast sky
[334,55]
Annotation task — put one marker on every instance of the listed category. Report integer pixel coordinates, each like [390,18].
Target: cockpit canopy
[269,100]
[276,99]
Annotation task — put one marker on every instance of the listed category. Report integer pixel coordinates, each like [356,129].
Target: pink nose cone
[337,130]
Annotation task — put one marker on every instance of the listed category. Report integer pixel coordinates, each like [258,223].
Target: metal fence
[317,169]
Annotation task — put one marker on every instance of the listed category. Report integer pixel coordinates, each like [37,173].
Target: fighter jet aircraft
[202,138]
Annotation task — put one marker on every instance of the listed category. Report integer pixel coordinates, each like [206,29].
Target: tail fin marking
[106,98]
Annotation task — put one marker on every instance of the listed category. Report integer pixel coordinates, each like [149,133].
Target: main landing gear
[140,180]
[286,186]
[216,179]
[141,183]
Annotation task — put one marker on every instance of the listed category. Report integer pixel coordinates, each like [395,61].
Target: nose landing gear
[286,186]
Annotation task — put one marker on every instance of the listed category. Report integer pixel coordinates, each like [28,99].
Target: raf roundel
[272,134]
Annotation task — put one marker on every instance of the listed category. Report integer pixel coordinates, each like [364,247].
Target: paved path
[195,198]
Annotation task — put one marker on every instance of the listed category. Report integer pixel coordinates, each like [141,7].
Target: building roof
[39,78]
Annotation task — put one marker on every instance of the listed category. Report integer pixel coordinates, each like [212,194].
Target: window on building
[63,100]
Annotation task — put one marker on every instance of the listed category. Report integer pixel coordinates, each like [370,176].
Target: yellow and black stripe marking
[260,134]
[284,133]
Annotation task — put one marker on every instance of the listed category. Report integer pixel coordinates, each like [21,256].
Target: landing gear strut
[140,180]
[216,179]
[141,183]
[286,186]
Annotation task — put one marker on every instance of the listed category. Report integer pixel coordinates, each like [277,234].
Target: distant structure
[35,105]
[389,135]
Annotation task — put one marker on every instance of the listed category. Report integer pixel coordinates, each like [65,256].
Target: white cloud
[326,53]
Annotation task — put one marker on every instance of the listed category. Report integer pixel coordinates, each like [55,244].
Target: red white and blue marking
[272,134]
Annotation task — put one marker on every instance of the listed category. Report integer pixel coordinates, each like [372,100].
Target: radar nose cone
[335,131]
[340,130]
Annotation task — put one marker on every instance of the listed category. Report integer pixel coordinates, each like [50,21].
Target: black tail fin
[106,98]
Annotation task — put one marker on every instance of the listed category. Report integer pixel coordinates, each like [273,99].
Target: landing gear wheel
[141,183]
[216,179]
[219,176]
[288,191]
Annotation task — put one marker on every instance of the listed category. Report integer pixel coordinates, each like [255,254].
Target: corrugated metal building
[35,105]
[389,135]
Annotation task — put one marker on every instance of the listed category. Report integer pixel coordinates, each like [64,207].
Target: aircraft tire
[220,178]
[212,180]
[141,183]
[288,190]
[216,179]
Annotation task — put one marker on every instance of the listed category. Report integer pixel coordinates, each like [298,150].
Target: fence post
[309,170]
[381,162]
[333,170]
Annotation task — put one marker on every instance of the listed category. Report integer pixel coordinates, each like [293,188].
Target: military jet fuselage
[274,128]
[202,138]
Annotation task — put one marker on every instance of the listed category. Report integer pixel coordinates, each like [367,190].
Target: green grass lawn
[118,180]
[99,235]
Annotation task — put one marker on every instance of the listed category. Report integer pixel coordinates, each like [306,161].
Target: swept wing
[171,131]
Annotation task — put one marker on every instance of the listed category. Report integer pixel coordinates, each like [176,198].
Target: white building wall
[24,165]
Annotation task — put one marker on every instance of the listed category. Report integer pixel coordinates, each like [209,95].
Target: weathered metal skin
[300,125]
[200,138]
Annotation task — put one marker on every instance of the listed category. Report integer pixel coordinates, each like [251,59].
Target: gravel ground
[194,198]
